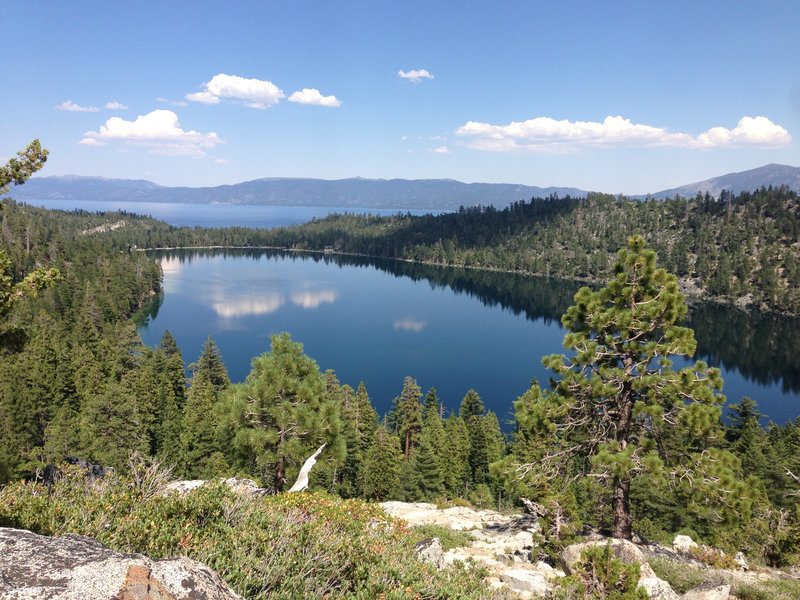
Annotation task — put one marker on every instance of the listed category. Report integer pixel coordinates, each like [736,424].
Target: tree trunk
[622,525]
[280,474]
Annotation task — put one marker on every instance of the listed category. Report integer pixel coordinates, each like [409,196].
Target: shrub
[449,538]
[599,575]
[287,546]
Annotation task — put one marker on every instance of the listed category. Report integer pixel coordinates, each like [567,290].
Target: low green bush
[450,539]
[287,546]
[600,576]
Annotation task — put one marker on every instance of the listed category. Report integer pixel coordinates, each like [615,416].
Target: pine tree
[427,465]
[197,436]
[471,412]
[280,415]
[455,456]
[407,412]
[211,366]
[111,427]
[382,465]
[616,400]
[432,403]
[359,423]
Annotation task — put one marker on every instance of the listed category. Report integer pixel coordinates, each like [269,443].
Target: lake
[215,215]
[377,321]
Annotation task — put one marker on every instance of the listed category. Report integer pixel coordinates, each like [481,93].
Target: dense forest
[75,378]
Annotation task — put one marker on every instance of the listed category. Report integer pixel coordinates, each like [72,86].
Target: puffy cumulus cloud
[313,96]
[160,130]
[750,131]
[116,106]
[441,150]
[544,133]
[415,75]
[410,324]
[70,106]
[254,93]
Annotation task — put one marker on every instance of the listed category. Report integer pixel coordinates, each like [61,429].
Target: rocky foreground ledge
[505,545]
[76,567]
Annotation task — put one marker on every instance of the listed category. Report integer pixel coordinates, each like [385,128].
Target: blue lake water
[378,321]
[214,215]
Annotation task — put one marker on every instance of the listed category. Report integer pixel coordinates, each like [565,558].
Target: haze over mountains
[401,194]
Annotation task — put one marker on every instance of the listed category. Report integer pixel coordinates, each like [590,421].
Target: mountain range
[401,194]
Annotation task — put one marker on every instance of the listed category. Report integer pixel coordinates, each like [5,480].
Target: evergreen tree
[197,437]
[455,456]
[280,415]
[111,427]
[211,366]
[359,423]
[426,463]
[471,412]
[407,411]
[382,465]
[617,400]
[432,403]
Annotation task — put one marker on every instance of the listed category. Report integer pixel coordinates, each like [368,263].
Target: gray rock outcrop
[430,549]
[708,592]
[683,543]
[76,567]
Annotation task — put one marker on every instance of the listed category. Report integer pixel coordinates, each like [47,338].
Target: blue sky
[621,97]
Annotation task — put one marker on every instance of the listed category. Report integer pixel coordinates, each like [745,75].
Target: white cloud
[90,141]
[254,93]
[441,150]
[313,96]
[116,106]
[410,324]
[415,75]
[221,161]
[750,131]
[160,130]
[544,133]
[70,106]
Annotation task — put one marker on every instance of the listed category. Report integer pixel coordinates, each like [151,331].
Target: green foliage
[286,546]
[382,464]
[618,409]
[450,538]
[18,170]
[280,415]
[676,574]
[599,575]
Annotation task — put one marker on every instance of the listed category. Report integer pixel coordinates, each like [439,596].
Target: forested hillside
[741,249]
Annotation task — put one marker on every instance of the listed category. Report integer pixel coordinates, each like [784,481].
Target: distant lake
[452,329]
[215,215]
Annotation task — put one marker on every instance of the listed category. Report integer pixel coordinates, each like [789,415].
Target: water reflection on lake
[378,321]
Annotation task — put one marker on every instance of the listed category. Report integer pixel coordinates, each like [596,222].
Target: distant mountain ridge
[744,181]
[400,194]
